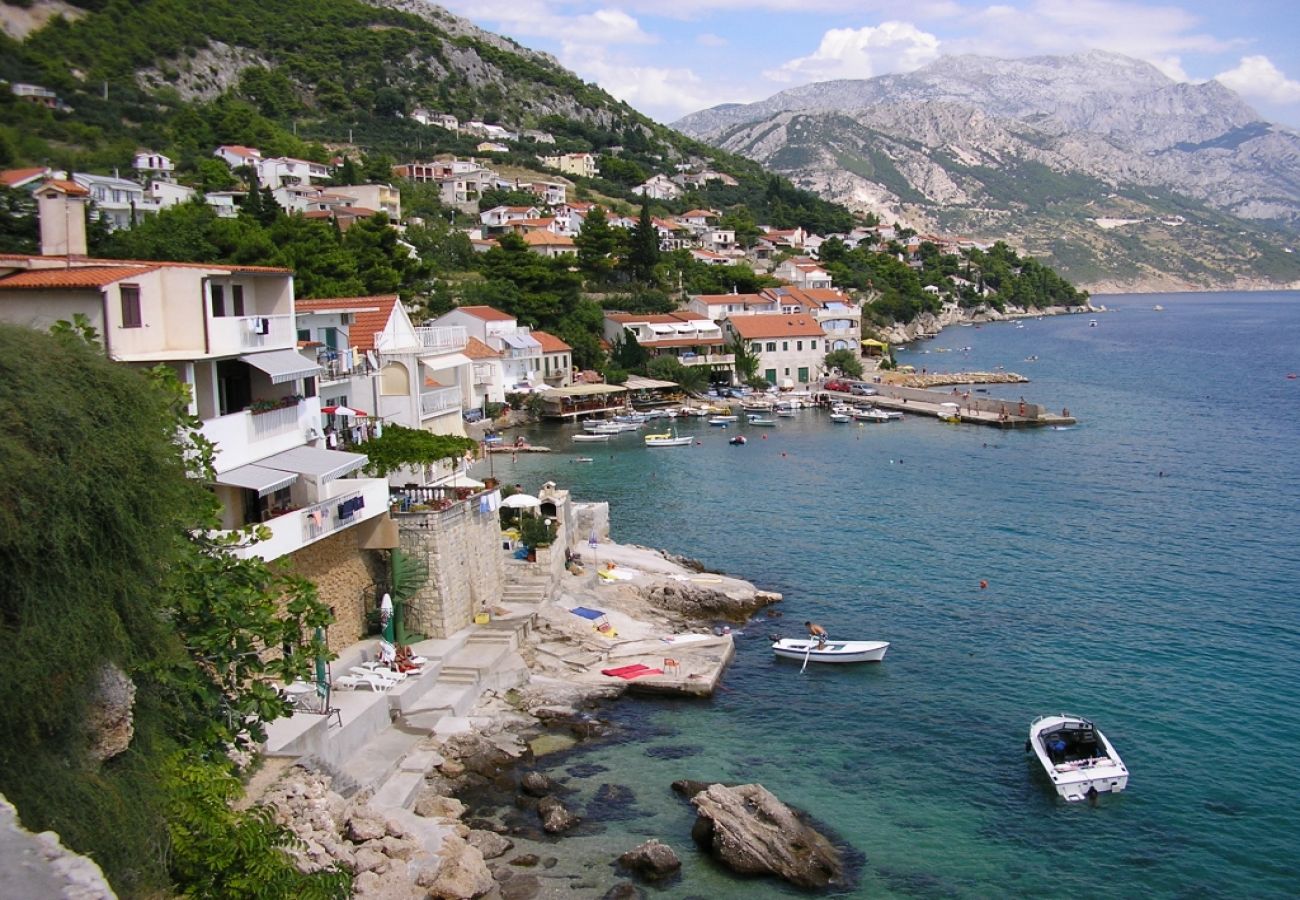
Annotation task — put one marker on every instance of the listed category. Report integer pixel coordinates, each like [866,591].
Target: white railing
[323,518]
[433,403]
[235,334]
[274,422]
[442,339]
[706,359]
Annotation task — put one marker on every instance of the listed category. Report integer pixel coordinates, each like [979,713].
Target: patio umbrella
[345,411]
[521,501]
[386,619]
[322,677]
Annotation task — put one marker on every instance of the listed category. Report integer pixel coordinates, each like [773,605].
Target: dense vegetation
[105,559]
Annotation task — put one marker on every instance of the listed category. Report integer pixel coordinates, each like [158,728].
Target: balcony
[439,402]
[228,335]
[482,374]
[296,529]
[707,359]
[340,365]
[442,339]
[246,437]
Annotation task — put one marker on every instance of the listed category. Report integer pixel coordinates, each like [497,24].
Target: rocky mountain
[1098,163]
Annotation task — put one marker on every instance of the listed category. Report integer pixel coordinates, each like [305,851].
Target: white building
[719,306]
[691,338]
[379,197]
[790,349]
[521,353]
[149,161]
[161,194]
[117,202]
[284,170]
[236,155]
[660,187]
[803,272]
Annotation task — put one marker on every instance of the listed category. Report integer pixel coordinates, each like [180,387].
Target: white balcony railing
[443,339]
[274,422]
[323,518]
[433,403]
[239,334]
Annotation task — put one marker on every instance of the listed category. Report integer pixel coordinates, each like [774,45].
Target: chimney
[61,207]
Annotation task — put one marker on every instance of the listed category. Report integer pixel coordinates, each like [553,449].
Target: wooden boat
[591,437]
[668,439]
[760,422]
[811,650]
[1077,758]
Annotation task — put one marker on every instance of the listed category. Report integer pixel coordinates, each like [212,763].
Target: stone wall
[346,577]
[589,517]
[462,548]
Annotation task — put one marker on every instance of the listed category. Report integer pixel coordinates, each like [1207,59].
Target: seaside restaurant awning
[582,399]
[257,478]
[282,365]
[638,383]
[315,462]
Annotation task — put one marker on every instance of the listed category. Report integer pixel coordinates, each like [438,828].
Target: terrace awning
[316,462]
[282,365]
[447,361]
[257,478]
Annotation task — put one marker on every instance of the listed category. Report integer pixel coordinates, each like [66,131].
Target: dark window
[304,334]
[237,300]
[131,306]
[218,300]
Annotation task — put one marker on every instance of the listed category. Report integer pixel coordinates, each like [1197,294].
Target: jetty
[517,448]
[973,406]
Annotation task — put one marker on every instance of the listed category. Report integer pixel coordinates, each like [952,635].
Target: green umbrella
[322,679]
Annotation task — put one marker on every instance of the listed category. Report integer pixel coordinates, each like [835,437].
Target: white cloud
[710,40]
[862,53]
[1257,78]
[540,19]
[661,92]
[1171,66]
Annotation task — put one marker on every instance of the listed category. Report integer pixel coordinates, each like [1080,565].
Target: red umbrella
[343,411]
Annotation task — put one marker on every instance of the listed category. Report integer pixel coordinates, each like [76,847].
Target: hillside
[1096,163]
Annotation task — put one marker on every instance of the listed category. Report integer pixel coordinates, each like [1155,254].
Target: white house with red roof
[549,244]
[697,220]
[499,217]
[228,333]
[838,314]
[521,352]
[376,358]
[658,187]
[236,155]
[719,306]
[694,339]
[803,272]
[557,360]
[790,348]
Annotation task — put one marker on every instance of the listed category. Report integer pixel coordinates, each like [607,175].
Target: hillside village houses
[693,339]
[580,164]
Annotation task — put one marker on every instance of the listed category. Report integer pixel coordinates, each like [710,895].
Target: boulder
[526,860]
[521,887]
[555,818]
[462,874]
[624,890]
[535,784]
[752,832]
[370,860]
[108,717]
[362,828]
[490,844]
[433,806]
[651,860]
[451,768]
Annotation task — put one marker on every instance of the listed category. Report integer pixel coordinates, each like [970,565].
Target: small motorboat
[870,414]
[668,439]
[760,422]
[1158,308]
[582,459]
[841,418]
[1092,323]
[812,650]
[592,437]
[721,421]
[1077,758]
[738,440]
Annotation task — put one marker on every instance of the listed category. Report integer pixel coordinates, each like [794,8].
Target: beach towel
[627,673]
[587,612]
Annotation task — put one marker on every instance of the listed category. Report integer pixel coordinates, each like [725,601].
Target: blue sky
[671,57]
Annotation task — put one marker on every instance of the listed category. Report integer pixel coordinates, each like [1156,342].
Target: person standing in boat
[815,630]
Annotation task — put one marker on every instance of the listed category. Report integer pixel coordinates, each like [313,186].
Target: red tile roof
[85,277]
[68,187]
[373,318]
[546,239]
[772,325]
[82,262]
[550,343]
[14,177]
[655,318]
[731,298]
[487,313]
[476,349]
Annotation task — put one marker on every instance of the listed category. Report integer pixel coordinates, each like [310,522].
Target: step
[459,675]
[399,790]
[445,699]
[377,759]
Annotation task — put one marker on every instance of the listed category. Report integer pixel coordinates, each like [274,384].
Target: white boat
[591,437]
[892,415]
[870,414]
[1158,308]
[609,427]
[761,422]
[950,412]
[1092,323]
[841,417]
[1076,756]
[723,420]
[668,439]
[785,412]
[812,650]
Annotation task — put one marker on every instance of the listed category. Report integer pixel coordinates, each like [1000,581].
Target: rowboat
[761,422]
[1076,756]
[591,437]
[810,650]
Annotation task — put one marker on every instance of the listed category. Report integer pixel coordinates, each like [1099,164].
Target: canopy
[316,462]
[585,390]
[521,501]
[871,342]
[521,342]
[446,361]
[282,365]
[257,478]
[460,479]
[343,411]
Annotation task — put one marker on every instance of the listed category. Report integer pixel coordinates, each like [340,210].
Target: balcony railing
[231,334]
[339,365]
[443,400]
[442,339]
[323,518]
[274,422]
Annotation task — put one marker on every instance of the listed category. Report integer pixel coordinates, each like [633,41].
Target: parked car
[836,385]
[472,415]
[862,390]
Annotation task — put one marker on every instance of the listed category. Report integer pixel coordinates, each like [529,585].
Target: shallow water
[1163,606]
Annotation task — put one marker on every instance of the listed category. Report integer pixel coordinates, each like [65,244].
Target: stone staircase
[526,584]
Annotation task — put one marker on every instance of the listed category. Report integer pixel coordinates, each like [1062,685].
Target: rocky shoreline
[513,846]
[928,325]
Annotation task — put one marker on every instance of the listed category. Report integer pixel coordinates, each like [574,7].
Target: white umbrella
[521,501]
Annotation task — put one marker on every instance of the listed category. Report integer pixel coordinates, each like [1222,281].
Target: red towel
[633,671]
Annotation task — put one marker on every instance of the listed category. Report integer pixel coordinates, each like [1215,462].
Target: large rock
[748,829]
[555,818]
[535,784]
[490,844]
[652,860]
[108,719]
[698,601]
[462,875]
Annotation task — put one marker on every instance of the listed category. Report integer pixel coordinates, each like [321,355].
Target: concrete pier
[974,406]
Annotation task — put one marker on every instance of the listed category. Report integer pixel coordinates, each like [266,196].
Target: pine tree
[596,243]
[644,254]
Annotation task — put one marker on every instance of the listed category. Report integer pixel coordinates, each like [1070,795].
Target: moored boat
[1076,756]
[761,422]
[870,414]
[812,650]
[591,437]
[667,439]
[841,417]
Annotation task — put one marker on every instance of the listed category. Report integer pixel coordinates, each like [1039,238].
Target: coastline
[657,609]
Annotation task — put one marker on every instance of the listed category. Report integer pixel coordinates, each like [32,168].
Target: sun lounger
[367,680]
[627,673]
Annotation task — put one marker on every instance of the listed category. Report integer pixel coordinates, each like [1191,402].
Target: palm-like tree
[746,361]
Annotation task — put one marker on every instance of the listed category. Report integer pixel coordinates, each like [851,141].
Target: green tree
[745,360]
[400,448]
[597,242]
[627,352]
[692,379]
[643,252]
[847,361]
[546,289]
[19,231]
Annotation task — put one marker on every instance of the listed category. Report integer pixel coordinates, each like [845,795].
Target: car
[836,385]
[862,390]
[472,415]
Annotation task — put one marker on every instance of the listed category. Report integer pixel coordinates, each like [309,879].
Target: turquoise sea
[1165,607]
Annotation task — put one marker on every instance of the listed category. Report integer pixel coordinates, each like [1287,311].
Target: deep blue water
[1165,608]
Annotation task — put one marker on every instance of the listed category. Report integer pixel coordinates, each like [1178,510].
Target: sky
[668,58]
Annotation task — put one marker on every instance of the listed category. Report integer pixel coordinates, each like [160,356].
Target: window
[771,346]
[803,374]
[814,345]
[304,334]
[131,306]
[237,300]
[798,345]
[218,300]
[785,346]
[787,371]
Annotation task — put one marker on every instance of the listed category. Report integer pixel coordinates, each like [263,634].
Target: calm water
[1165,608]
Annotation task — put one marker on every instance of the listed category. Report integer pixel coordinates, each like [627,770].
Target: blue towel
[587,613]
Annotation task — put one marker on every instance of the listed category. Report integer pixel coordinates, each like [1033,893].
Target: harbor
[973,405]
